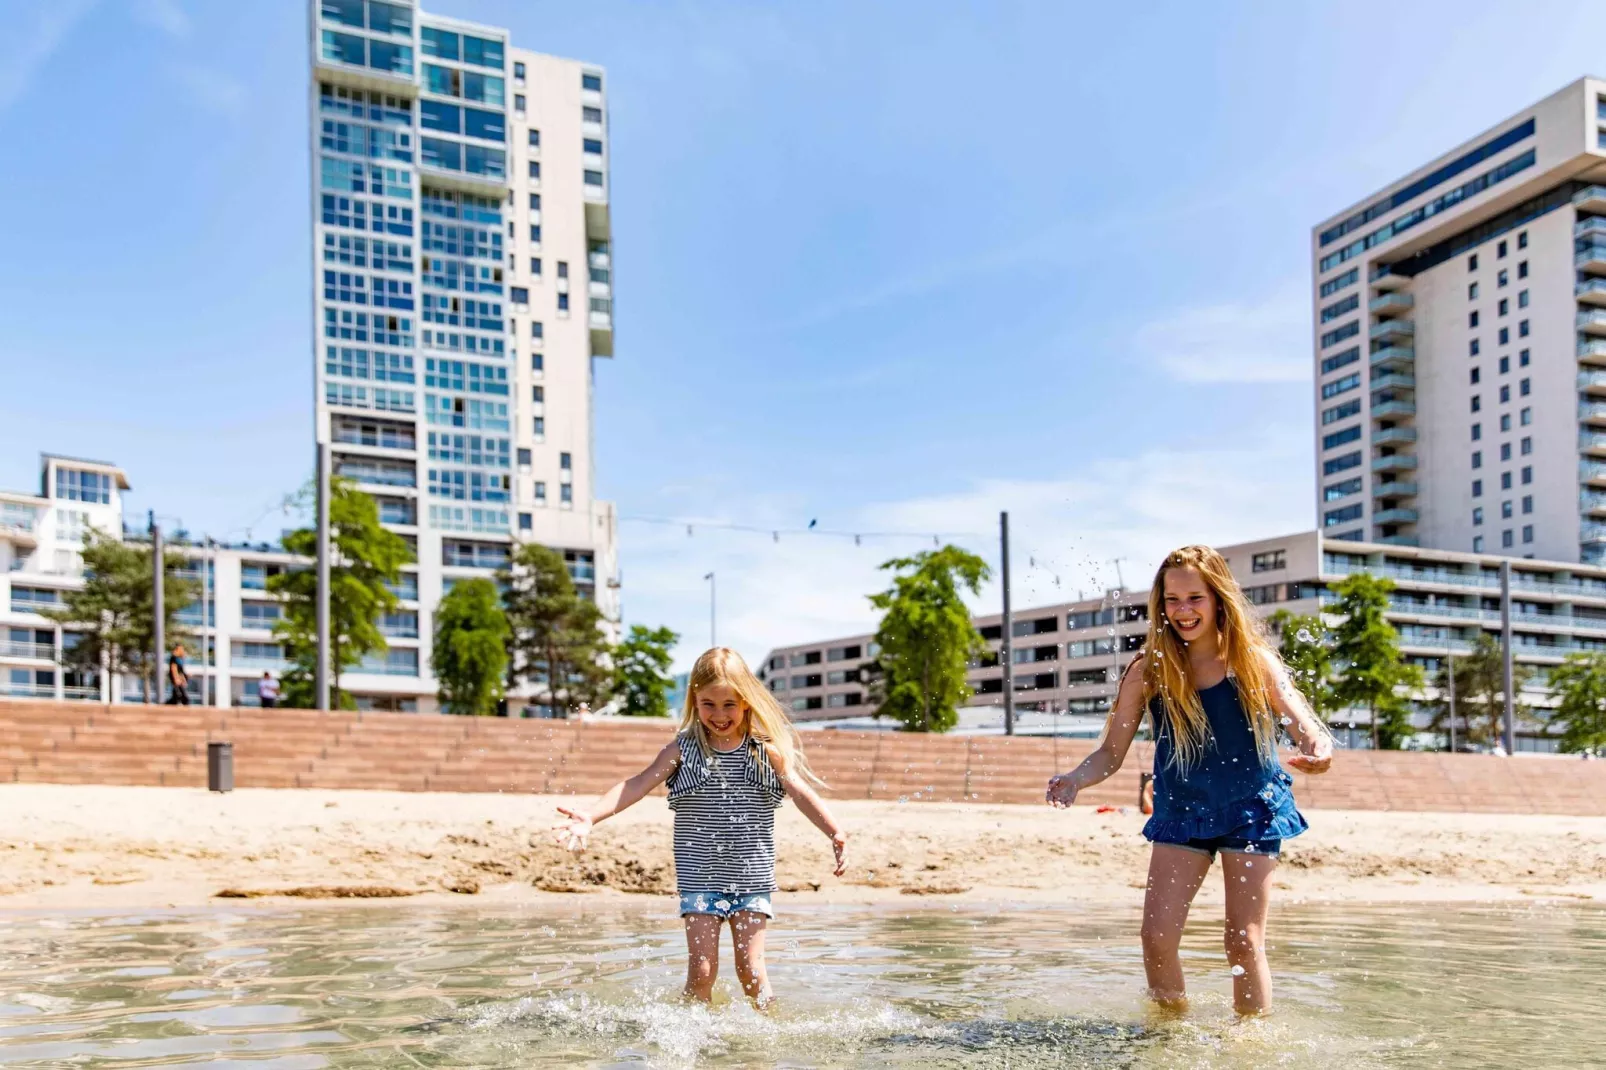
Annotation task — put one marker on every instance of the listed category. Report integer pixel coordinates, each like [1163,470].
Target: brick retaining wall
[79,743]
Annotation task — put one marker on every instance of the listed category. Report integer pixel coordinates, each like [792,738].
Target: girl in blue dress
[1217,695]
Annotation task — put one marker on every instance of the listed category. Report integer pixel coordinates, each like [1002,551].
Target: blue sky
[892,266]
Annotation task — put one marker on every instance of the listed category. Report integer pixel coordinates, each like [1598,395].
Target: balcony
[1394,380]
[1394,436]
[1397,515]
[1396,462]
[1593,352]
[1593,504]
[1385,278]
[1592,322]
[1592,472]
[1593,411]
[1592,442]
[42,651]
[1591,227]
[1591,292]
[1591,258]
[1398,489]
[1590,199]
[1398,540]
[1398,357]
[1592,381]
[1398,330]
[1391,303]
[1394,408]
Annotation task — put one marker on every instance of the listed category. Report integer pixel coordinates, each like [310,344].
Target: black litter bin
[220,766]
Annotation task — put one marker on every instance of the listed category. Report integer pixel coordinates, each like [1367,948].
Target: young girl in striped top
[734,760]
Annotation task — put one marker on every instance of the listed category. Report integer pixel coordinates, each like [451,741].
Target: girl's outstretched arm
[812,807]
[627,793]
[1118,735]
[1294,713]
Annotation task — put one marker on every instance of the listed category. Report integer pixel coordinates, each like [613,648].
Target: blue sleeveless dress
[1232,797]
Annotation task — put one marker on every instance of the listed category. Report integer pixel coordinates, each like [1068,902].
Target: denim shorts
[1231,845]
[723,905]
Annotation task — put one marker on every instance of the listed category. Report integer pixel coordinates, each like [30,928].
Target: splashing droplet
[1237,971]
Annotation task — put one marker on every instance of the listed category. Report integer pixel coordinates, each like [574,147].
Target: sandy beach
[74,847]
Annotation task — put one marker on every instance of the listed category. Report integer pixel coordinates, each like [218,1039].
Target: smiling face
[722,714]
[1190,604]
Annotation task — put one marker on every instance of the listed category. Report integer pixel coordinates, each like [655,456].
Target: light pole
[713,633]
[1450,664]
[321,677]
[1005,653]
[159,604]
[1509,734]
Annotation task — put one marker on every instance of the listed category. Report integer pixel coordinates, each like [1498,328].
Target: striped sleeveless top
[724,804]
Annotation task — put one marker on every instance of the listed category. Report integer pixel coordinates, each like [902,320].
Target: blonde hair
[767,722]
[1245,650]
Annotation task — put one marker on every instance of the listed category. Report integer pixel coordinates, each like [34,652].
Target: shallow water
[1358,987]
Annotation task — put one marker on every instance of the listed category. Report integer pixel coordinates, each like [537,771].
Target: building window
[1527,507]
[1472,348]
[1527,533]
[1505,480]
[1341,516]
[1339,386]
[1527,474]
[1472,292]
[565,462]
[535,139]
[538,427]
[1527,446]
[1472,262]
[1522,298]
[519,296]
[1477,544]
[1504,306]
[1505,510]
[1472,318]
[591,145]
[75,485]
[1339,360]
[1500,250]
[535,170]
[537,363]
[1477,458]
[1477,432]
[588,114]
[563,302]
[1505,421]
[1522,358]
[1474,377]
[1477,488]
[1506,540]
[1522,239]
[535,265]
[1270,561]
[1477,516]
[537,395]
[535,202]
[1477,404]
[1341,412]
[518,103]
[594,178]
[1340,438]
[1505,335]
[537,329]
[524,462]
[592,82]
[1502,277]
[1336,491]
[1505,365]
[1505,451]
[1339,464]
[566,493]
[1527,417]
[1505,394]
[1522,387]
[1522,328]
[535,233]
[1522,269]
[540,496]
[518,72]
[526,522]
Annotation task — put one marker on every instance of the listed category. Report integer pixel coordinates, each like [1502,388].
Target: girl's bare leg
[702,955]
[747,930]
[1248,879]
[1175,874]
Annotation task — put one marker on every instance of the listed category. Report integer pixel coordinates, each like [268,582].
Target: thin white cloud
[1267,342]
[164,15]
[30,40]
[210,90]
[1064,535]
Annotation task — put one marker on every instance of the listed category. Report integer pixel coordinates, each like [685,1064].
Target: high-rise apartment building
[463,287]
[1460,345]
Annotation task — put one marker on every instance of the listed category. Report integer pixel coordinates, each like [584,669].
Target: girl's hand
[573,833]
[1315,755]
[839,846]
[1062,791]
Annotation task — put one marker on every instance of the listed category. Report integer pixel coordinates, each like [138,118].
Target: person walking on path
[178,680]
[268,691]
[1217,695]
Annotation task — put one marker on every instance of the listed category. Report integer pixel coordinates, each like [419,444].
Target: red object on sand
[1105,810]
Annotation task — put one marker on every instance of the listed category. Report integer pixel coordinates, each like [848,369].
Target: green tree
[641,671]
[1580,685]
[1366,649]
[926,638]
[1306,648]
[113,612]
[557,640]
[470,650]
[364,560]
[1480,692]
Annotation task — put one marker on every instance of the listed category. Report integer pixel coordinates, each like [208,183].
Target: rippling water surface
[1404,986]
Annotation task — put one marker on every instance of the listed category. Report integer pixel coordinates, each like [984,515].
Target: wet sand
[78,847]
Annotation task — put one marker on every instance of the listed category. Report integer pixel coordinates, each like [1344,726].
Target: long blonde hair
[767,722]
[1245,650]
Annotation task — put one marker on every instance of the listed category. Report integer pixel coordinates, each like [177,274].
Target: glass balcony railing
[1398,489]
[1396,356]
[1592,380]
[1592,440]
[1394,407]
[1592,410]
[1393,381]
[1394,462]
[1387,329]
[12,649]
[1391,302]
[1592,350]
[1590,257]
[1394,436]
[1397,515]
[1591,291]
[1592,321]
